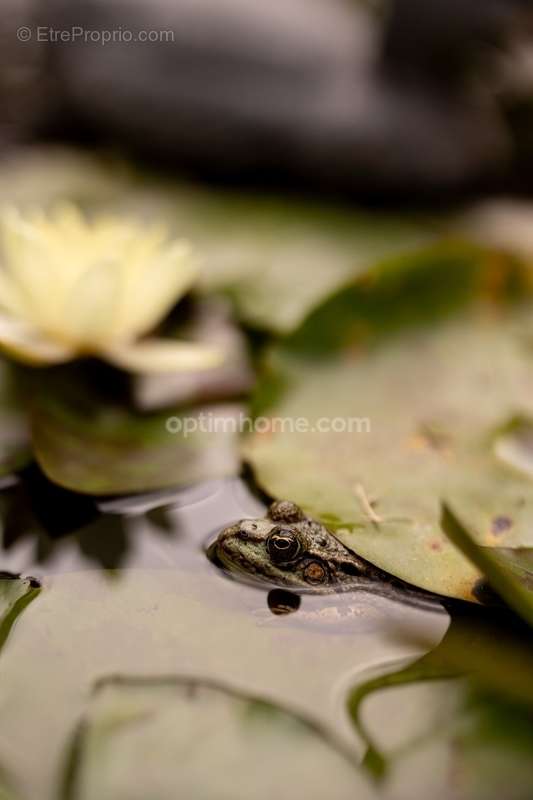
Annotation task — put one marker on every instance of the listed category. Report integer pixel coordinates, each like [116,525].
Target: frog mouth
[234,560]
[226,554]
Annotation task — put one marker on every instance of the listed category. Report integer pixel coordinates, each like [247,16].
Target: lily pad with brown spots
[409,423]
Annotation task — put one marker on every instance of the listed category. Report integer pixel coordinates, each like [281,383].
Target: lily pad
[472,734]
[89,443]
[408,423]
[405,291]
[140,736]
[279,260]
[6,790]
[509,570]
[16,593]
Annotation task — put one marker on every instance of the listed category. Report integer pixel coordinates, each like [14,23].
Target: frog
[287,548]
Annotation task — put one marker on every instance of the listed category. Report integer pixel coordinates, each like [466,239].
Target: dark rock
[299,90]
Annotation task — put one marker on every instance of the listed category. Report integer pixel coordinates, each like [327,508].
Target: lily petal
[27,343]
[163,355]
[10,300]
[94,297]
[149,297]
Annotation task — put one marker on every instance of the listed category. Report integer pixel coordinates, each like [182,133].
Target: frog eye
[283,545]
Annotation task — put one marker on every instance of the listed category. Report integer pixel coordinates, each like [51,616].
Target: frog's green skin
[289,549]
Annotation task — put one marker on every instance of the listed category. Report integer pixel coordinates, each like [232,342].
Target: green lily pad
[140,736]
[509,570]
[6,790]
[411,421]
[16,593]
[279,260]
[514,445]
[493,740]
[405,290]
[472,734]
[90,443]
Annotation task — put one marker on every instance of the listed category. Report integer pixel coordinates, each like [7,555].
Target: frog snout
[227,540]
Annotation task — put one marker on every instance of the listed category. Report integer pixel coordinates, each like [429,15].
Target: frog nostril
[223,544]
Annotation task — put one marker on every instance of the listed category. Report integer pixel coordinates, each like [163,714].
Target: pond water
[132,593]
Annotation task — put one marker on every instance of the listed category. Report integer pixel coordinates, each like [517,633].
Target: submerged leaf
[182,617]
[179,737]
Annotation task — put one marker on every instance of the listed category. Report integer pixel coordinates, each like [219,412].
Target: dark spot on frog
[314,572]
[501,524]
[282,602]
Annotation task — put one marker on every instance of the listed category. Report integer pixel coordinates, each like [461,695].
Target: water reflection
[41,521]
[50,529]
[281,602]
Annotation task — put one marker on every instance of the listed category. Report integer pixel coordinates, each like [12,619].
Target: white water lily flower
[70,287]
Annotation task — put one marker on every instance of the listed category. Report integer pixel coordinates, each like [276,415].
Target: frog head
[286,548]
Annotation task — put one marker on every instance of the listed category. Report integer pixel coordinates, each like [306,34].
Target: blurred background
[373,99]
